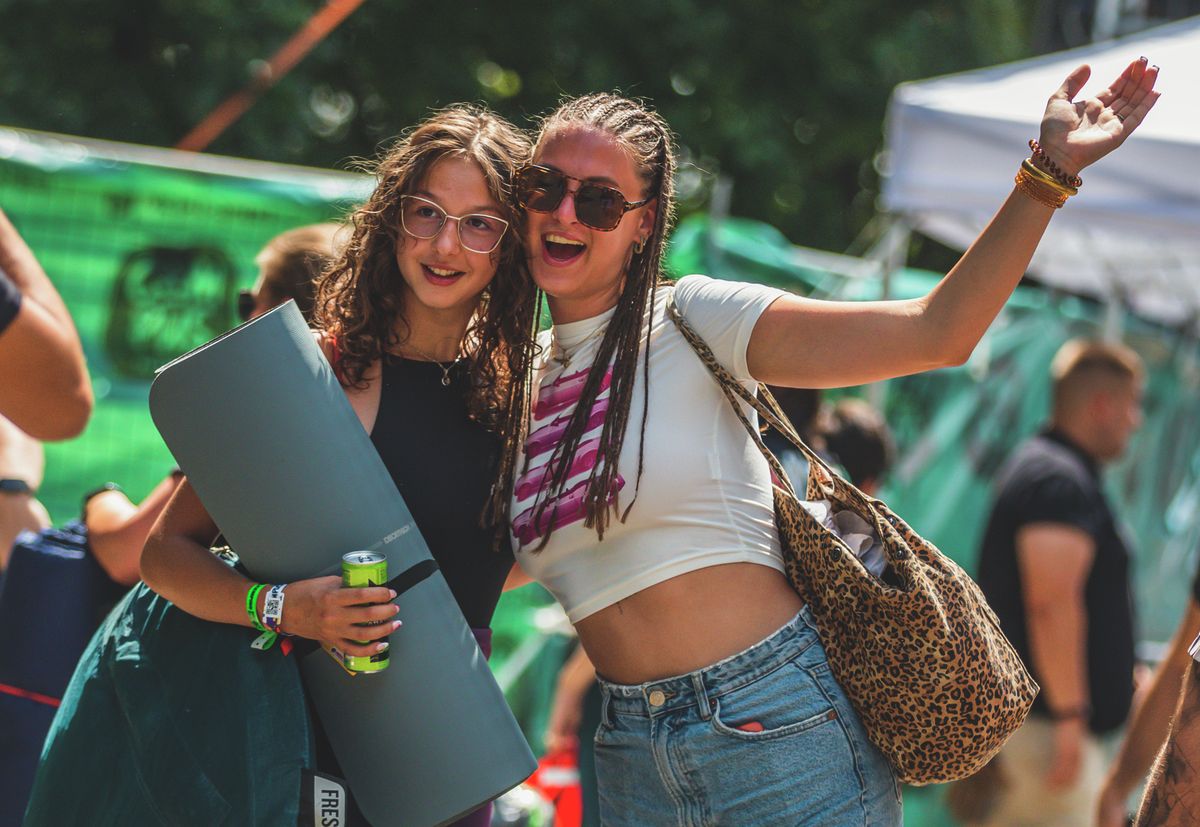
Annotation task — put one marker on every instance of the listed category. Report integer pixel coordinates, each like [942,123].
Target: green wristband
[252,606]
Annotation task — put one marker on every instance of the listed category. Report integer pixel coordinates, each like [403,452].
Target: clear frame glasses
[477,232]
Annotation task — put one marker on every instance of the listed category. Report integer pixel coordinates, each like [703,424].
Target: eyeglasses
[477,232]
[542,189]
[245,304]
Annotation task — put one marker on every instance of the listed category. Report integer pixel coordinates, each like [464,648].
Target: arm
[1054,560]
[44,386]
[1150,722]
[177,564]
[117,529]
[566,711]
[802,342]
[1173,793]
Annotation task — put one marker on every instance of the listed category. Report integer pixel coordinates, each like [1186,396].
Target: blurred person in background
[858,436]
[44,385]
[1150,725]
[21,464]
[1054,566]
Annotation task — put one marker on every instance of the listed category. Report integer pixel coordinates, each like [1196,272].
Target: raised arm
[44,386]
[802,342]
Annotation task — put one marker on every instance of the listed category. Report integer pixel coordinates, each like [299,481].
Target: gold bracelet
[1039,191]
[1046,178]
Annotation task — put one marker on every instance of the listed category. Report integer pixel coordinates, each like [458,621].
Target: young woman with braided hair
[644,506]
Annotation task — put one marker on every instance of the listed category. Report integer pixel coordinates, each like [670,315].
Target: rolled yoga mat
[260,425]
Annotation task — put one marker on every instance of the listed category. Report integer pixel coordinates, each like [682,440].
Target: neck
[567,309]
[432,333]
[1078,432]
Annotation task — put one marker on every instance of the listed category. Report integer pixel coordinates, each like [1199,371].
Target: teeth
[442,273]
[555,238]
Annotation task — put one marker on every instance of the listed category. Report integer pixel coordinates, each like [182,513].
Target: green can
[359,570]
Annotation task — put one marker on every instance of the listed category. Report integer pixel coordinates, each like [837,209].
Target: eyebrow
[598,179]
[471,211]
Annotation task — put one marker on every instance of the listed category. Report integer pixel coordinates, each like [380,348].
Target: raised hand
[1077,133]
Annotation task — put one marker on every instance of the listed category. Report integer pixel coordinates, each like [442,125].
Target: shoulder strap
[764,402]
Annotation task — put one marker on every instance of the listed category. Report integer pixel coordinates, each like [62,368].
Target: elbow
[148,565]
[67,415]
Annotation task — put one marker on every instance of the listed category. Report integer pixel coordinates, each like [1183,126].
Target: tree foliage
[787,99]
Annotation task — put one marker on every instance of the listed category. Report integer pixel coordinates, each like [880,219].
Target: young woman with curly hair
[427,315]
[643,504]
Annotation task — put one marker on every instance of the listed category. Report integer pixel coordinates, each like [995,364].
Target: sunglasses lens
[599,207]
[421,218]
[245,304]
[541,190]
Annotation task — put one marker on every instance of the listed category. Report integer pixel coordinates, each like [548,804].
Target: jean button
[657,697]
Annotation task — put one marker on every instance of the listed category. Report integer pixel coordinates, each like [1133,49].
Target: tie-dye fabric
[705,494]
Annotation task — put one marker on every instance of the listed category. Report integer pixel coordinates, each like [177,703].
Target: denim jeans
[765,737]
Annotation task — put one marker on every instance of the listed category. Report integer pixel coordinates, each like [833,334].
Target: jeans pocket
[783,702]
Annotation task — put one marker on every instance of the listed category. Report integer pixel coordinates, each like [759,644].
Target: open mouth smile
[442,275]
[559,249]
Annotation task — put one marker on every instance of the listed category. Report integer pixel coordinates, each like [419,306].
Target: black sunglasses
[245,304]
[542,189]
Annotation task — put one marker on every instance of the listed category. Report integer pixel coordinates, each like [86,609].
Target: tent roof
[1134,231]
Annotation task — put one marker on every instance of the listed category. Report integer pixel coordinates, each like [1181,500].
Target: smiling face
[439,273]
[582,269]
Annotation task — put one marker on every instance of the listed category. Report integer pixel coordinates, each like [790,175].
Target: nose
[565,211]
[446,241]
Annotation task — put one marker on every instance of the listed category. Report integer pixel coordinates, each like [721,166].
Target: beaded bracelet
[252,606]
[1040,156]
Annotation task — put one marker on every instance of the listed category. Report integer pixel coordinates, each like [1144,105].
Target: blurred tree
[787,99]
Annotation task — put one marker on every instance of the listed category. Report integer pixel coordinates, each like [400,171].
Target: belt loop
[701,696]
[605,699]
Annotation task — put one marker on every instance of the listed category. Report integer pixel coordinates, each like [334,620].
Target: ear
[649,216]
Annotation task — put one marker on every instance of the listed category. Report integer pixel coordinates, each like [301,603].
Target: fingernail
[396,609]
[1142,58]
[382,647]
[393,593]
[396,624]
[1155,67]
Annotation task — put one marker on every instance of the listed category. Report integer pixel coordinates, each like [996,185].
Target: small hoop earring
[640,246]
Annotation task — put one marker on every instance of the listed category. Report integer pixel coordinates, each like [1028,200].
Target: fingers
[357,649]
[1125,83]
[358,596]
[1074,82]
[1133,110]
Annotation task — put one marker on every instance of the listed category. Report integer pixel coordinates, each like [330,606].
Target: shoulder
[702,293]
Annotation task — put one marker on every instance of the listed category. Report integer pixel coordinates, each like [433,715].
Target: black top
[10,301]
[444,465]
[1051,480]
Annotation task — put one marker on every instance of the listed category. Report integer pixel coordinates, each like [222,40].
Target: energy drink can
[359,570]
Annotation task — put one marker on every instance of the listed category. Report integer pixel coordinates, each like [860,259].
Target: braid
[646,135]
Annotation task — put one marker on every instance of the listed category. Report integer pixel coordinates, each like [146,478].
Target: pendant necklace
[564,358]
[445,367]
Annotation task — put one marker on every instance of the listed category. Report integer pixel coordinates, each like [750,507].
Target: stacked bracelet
[1054,170]
[273,609]
[252,606]
[1041,187]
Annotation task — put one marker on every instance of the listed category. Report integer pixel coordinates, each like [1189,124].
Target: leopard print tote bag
[920,654]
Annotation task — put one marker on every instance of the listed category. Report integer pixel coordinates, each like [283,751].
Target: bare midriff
[688,622]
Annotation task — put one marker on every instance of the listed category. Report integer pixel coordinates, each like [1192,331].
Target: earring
[640,246]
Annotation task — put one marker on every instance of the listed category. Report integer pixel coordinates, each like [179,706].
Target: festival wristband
[273,609]
[252,606]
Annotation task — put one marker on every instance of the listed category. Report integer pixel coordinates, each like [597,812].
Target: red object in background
[557,778]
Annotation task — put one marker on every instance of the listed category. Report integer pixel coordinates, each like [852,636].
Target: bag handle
[764,402]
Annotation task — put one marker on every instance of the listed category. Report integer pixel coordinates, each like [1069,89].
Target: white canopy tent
[1133,233]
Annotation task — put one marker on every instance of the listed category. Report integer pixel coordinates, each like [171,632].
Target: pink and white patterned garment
[705,494]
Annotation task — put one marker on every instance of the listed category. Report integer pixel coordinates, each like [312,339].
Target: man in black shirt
[1055,568]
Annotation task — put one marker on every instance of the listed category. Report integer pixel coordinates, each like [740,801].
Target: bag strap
[764,402]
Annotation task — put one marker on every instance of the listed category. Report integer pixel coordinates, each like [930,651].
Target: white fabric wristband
[272,614]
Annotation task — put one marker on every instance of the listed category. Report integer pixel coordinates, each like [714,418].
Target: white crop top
[705,496]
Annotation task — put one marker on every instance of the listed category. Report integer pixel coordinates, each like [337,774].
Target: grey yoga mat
[260,425]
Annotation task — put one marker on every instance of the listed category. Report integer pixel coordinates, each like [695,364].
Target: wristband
[252,606]
[272,615]
[1083,711]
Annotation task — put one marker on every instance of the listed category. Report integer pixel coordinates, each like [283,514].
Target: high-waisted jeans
[765,737]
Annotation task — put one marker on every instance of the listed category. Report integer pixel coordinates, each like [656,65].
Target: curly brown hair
[359,303]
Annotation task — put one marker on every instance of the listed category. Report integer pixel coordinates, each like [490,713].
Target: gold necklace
[563,358]
[445,367]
